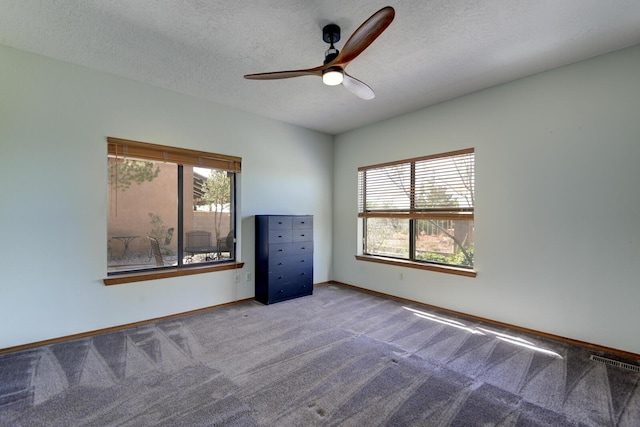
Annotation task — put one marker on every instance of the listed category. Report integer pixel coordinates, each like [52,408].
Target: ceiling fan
[332,71]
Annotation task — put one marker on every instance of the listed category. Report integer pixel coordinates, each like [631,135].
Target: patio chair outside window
[199,242]
[226,245]
[155,248]
[167,240]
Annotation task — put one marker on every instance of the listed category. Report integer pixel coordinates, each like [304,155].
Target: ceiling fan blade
[359,88]
[317,71]
[365,35]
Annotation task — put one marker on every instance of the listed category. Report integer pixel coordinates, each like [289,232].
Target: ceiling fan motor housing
[331,35]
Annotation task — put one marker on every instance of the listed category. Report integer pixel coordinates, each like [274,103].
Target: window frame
[182,157]
[412,213]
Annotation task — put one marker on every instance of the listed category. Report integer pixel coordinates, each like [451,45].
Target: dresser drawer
[302,222]
[302,247]
[279,250]
[288,291]
[302,235]
[281,277]
[280,236]
[280,222]
[285,249]
[289,263]
[303,274]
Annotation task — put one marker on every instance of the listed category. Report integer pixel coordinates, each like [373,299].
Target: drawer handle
[281,291]
[302,235]
[279,263]
[279,277]
[303,274]
[280,250]
[280,237]
[303,247]
[279,222]
[301,260]
[301,222]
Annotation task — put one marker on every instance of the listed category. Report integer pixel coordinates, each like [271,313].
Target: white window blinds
[431,187]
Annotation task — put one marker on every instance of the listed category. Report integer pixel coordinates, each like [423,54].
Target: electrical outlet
[248,276]
[401,276]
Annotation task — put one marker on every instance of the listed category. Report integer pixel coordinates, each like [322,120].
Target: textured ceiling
[433,51]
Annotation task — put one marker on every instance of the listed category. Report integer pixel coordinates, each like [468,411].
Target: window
[419,210]
[169,208]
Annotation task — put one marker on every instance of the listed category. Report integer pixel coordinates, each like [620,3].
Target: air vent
[615,363]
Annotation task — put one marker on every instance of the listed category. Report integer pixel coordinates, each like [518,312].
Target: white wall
[557,234]
[558,201]
[54,120]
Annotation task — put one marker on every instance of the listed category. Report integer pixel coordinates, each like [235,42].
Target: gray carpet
[338,358]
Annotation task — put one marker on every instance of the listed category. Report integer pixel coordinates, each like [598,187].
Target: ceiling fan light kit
[332,76]
[333,70]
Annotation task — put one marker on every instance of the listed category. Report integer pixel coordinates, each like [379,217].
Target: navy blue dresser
[284,257]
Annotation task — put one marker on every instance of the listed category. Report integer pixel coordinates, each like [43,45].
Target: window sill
[171,272]
[419,265]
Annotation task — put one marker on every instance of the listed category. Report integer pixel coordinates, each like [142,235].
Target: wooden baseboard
[599,348]
[608,350]
[121,327]
[115,328]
